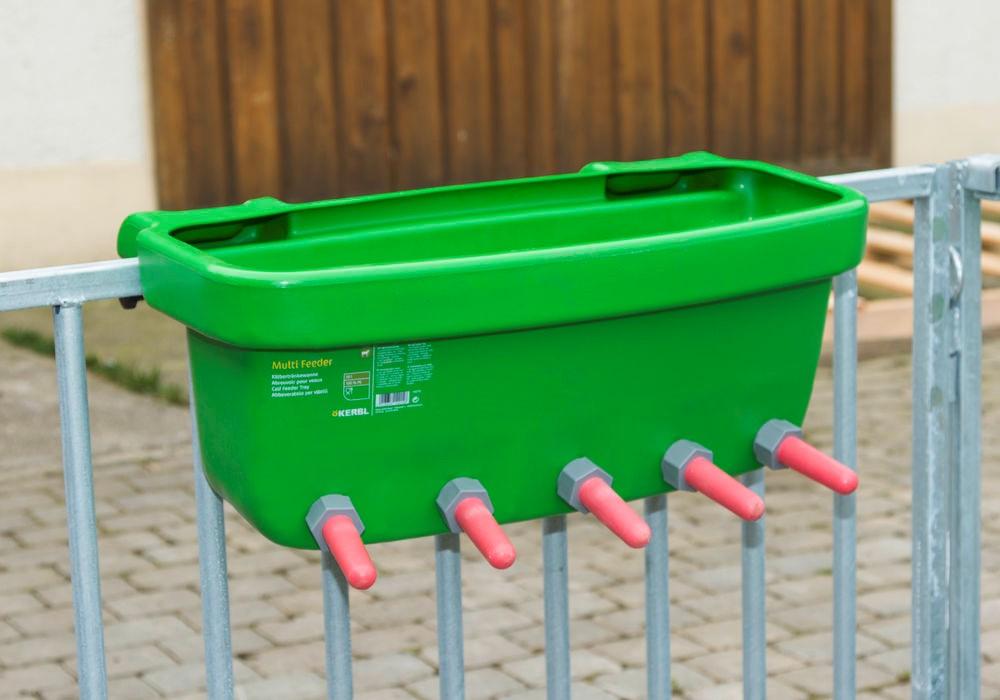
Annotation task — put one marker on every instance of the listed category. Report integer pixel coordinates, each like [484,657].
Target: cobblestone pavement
[150,579]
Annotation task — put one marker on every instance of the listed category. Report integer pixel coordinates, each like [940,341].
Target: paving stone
[148,604]
[165,577]
[274,660]
[582,633]
[480,684]
[131,688]
[727,666]
[130,633]
[897,662]
[895,631]
[775,691]
[818,680]
[578,691]
[31,650]
[26,579]
[131,661]
[719,636]
[490,650]
[256,587]
[818,647]
[389,671]
[17,603]
[184,678]
[492,620]
[298,629]
[297,686]
[632,652]
[584,664]
[33,678]
[393,640]
[628,683]
[632,622]
[61,595]
[385,694]
[8,632]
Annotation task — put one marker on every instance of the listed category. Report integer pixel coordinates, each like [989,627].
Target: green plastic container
[379,346]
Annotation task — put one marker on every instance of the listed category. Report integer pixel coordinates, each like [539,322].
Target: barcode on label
[397,398]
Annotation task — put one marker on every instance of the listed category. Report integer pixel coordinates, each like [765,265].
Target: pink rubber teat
[709,480]
[795,453]
[344,541]
[608,507]
[478,523]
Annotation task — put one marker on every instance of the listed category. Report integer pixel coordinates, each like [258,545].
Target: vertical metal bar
[554,555]
[845,440]
[85,574]
[657,553]
[337,628]
[214,575]
[933,375]
[754,614]
[963,615]
[451,656]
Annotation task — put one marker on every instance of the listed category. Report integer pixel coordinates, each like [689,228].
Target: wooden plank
[585,102]
[885,277]
[540,48]
[688,61]
[253,99]
[776,84]
[856,126]
[510,96]
[416,94]
[362,77]
[892,319]
[209,151]
[820,84]
[305,70]
[732,111]
[899,215]
[170,123]
[641,106]
[991,209]
[880,83]
[468,89]
[892,243]
[900,245]
[190,129]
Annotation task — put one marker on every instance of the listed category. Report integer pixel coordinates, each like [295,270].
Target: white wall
[946,79]
[74,128]
[72,82]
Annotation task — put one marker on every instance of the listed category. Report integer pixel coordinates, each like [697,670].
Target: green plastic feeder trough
[378,348]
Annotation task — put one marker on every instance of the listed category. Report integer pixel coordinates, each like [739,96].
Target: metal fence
[947,338]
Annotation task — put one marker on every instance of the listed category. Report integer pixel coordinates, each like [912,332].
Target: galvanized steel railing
[946,481]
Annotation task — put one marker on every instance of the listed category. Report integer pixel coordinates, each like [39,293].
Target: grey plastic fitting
[572,477]
[456,491]
[769,439]
[327,507]
[676,460]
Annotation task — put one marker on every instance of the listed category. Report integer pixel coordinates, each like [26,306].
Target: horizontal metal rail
[52,286]
[891,183]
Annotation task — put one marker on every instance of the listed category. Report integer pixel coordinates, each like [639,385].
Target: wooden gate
[309,99]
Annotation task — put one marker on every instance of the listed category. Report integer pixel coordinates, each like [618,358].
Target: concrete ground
[150,579]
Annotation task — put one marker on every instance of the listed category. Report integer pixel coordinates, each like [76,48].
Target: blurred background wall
[75,151]
[114,106]
[947,79]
